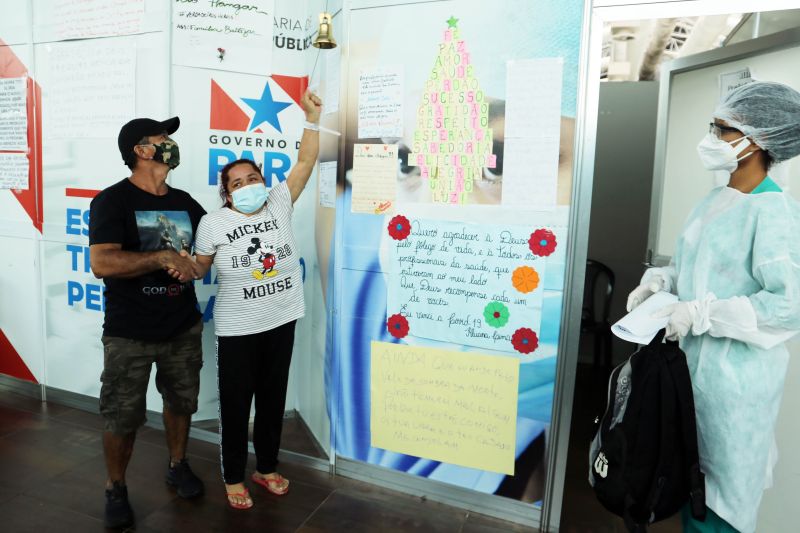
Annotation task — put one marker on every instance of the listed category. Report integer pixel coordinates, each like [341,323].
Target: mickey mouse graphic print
[258,267]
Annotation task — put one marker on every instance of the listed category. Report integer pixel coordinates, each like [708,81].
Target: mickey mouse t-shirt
[258,266]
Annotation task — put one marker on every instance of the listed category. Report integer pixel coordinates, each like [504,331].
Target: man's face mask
[167,153]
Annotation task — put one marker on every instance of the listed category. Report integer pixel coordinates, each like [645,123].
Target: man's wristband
[310,126]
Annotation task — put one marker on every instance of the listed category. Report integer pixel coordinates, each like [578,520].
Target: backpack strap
[630,522]
[658,338]
[666,451]
[683,386]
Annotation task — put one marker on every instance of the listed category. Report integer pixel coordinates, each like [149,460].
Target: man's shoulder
[183,196]
[117,190]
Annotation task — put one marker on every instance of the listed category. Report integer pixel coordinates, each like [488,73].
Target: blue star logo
[266,109]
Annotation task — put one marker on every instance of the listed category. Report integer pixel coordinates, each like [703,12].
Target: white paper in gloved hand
[639,326]
[645,290]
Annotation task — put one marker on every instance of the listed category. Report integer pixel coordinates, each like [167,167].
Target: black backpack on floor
[643,462]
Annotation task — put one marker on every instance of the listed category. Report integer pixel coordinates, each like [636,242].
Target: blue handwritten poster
[472,284]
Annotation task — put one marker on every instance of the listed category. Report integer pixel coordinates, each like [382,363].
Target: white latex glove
[644,291]
[682,316]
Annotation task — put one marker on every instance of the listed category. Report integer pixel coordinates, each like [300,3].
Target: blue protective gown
[739,256]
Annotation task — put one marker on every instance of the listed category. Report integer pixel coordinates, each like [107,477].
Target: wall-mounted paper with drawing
[224,35]
[374,178]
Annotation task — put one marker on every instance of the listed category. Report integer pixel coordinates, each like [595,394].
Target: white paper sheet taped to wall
[380,102]
[224,35]
[59,20]
[639,326]
[532,132]
[96,89]
[14,171]
[327,184]
[333,62]
[13,114]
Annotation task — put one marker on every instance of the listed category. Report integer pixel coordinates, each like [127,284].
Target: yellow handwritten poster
[449,406]
[374,178]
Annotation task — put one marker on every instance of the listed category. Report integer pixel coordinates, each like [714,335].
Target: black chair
[597,293]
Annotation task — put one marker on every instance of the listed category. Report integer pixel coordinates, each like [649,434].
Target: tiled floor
[52,475]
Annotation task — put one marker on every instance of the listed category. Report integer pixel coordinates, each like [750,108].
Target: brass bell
[325,34]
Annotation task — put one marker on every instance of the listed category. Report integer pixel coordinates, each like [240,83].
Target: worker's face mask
[716,154]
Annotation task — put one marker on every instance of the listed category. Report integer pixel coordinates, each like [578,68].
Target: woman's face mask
[716,154]
[249,199]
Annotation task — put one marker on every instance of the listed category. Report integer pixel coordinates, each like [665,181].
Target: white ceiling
[633,50]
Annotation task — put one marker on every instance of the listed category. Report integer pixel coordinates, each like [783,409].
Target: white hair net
[768,113]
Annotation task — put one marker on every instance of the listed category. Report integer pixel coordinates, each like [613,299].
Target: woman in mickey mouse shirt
[260,297]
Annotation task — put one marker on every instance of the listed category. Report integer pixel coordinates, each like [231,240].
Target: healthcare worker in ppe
[736,271]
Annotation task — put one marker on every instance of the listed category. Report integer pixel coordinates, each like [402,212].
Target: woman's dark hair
[224,177]
[769,159]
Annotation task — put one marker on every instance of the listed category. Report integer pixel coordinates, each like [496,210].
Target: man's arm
[201,264]
[309,148]
[110,261]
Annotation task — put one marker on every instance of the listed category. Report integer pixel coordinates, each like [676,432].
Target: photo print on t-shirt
[164,230]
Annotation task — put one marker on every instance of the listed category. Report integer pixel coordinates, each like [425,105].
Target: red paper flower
[542,242]
[397,325]
[399,227]
[525,340]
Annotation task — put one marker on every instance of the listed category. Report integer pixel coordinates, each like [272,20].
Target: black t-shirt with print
[155,306]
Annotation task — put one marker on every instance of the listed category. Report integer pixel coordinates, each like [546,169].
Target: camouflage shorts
[126,374]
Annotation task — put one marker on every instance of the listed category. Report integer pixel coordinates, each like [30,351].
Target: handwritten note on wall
[94,91]
[374,178]
[232,36]
[532,132]
[454,407]
[380,102]
[327,184]
[13,114]
[58,20]
[13,171]
[473,284]
[333,65]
